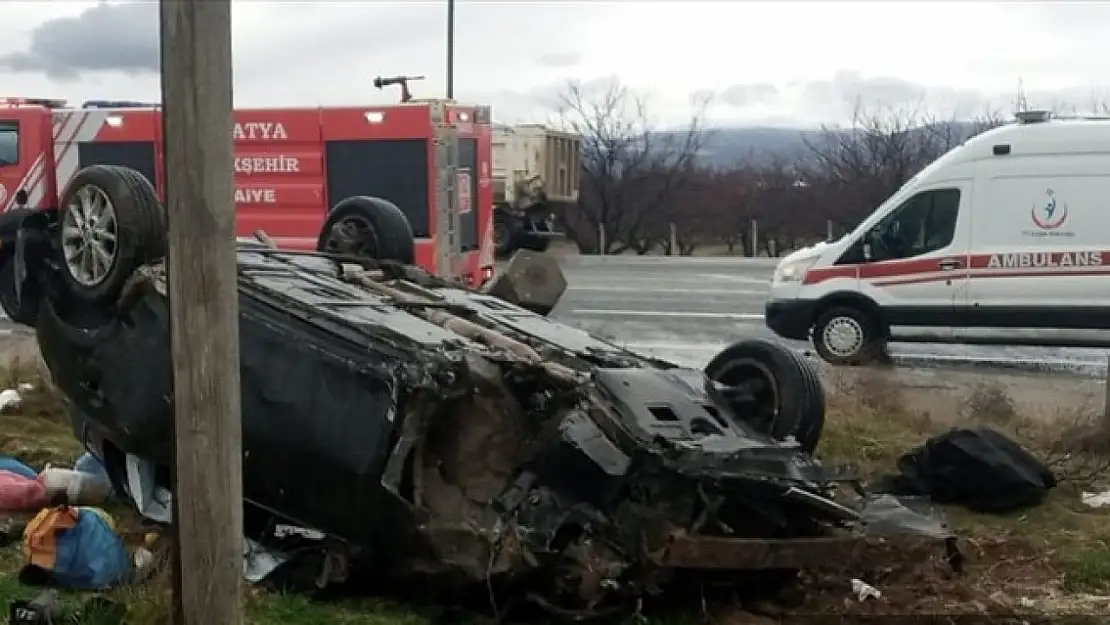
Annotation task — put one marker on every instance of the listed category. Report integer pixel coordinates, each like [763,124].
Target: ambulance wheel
[772,388]
[110,222]
[848,336]
[368,227]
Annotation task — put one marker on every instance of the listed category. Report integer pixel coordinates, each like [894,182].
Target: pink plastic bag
[21,493]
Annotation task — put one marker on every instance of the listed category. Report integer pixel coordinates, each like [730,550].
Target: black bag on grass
[974,467]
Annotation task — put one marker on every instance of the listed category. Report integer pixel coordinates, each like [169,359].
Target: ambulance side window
[924,223]
[9,143]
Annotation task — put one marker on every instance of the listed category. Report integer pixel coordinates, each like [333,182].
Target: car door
[916,258]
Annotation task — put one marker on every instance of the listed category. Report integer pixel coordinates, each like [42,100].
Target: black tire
[368,227]
[155,230]
[786,397]
[24,309]
[506,236]
[536,244]
[871,339]
[10,222]
[140,229]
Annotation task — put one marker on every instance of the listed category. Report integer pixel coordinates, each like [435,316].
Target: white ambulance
[1006,238]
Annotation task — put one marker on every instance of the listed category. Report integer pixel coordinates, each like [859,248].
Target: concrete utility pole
[204,311]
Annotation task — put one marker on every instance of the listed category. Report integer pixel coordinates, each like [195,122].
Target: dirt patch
[1052,559]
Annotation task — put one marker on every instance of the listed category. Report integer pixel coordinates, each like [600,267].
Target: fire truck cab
[292,166]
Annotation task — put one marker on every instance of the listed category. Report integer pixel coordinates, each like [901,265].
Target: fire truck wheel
[110,222]
[23,309]
[535,244]
[369,227]
[772,388]
[506,235]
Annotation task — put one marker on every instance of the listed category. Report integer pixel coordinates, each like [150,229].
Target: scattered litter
[9,399]
[20,493]
[44,609]
[1096,500]
[47,609]
[864,591]
[26,387]
[152,501]
[976,467]
[143,558]
[76,488]
[7,463]
[90,465]
[259,562]
[286,531]
[1027,603]
[156,504]
[74,548]
[886,514]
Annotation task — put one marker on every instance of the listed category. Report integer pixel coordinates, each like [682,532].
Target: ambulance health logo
[1048,216]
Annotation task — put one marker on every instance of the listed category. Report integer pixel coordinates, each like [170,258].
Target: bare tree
[862,165]
[630,169]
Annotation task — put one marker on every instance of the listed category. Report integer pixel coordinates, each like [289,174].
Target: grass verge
[1053,559]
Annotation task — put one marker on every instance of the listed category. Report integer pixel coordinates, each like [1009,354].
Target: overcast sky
[784,63]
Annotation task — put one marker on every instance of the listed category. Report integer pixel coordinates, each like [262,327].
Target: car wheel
[773,389]
[110,222]
[847,336]
[368,227]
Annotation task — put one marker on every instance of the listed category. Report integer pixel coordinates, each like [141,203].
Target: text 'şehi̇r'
[277,164]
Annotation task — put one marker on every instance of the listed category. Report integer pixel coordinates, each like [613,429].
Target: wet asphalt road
[686,309]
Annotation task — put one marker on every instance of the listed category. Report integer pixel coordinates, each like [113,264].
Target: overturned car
[442,433]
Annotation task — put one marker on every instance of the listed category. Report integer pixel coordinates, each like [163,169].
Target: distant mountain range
[753,145]
[734,146]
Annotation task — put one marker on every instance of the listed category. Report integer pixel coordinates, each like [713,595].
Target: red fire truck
[431,158]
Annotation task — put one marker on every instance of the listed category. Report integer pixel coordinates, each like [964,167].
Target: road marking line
[663,291]
[664,313]
[677,346]
[744,279]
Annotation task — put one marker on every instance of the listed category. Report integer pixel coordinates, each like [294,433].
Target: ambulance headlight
[793,271]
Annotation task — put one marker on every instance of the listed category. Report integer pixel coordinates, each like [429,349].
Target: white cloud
[784,62]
